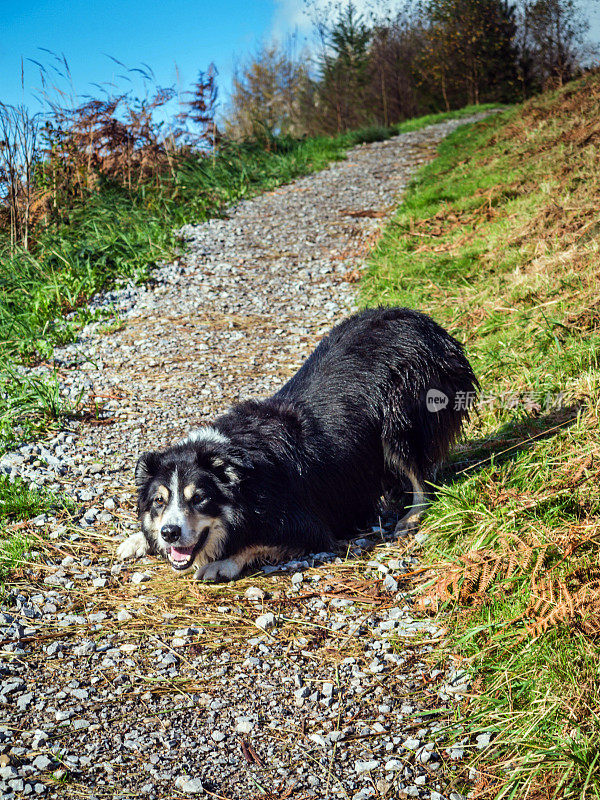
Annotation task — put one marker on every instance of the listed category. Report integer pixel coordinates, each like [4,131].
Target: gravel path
[124,680]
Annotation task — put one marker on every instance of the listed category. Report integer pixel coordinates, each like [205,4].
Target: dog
[376,406]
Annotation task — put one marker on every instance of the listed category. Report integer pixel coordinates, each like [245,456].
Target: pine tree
[345,69]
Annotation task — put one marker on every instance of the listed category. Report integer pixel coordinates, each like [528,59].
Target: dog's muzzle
[181,557]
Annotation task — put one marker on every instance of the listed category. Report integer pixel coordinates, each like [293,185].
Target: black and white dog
[379,401]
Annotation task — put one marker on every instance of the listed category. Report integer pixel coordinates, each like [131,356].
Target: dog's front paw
[135,546]
[225,570]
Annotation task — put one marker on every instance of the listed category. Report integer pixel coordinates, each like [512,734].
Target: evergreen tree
[344,69]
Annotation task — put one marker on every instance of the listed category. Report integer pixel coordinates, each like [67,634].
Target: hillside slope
[498,239]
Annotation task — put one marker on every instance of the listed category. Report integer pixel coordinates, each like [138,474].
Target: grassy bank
[498,240]
[19,504]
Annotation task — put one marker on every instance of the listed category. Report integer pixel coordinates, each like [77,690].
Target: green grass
[432,119]
[30,404]
[19,503]
[497,239]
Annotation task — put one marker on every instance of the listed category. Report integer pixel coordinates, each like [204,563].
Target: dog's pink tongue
[181,553]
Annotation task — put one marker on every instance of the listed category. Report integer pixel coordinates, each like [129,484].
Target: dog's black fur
[309,465]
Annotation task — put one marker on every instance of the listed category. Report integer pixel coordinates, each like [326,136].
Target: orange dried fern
[573,600]
[481,573]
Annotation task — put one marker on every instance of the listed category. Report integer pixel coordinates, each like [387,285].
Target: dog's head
[186,497]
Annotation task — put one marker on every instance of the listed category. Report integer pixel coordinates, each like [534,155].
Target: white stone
[411,744]
[254,593]
[394,765]
[191,785]
[140,577]
[365,766]
[483,740]
[244,725]
[266,621]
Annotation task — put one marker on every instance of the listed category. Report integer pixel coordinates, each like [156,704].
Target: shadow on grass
[508,442]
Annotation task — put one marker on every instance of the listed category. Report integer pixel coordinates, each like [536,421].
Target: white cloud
[297,15]
[290,15]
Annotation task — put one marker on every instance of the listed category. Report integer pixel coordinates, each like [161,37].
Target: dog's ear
[228,468]
[225,470]
[146,468]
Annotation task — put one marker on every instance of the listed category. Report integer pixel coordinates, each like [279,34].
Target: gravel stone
[140,577]
[84,649]
[266,621]
[6,773]
[483,740]
[24,700]
[42,763]
[244,725]
[365,766]
[190,785]
[411,744]
[254,593]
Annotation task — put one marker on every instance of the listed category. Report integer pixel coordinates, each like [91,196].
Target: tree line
[430,56]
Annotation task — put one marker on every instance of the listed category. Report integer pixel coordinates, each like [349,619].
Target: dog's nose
[170,533]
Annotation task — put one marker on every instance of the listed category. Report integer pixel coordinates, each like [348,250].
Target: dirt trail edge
[124,680]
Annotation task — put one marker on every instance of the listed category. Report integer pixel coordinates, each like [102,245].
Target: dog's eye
[197,499]
[159,500]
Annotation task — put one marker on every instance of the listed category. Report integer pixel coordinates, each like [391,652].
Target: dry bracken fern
[573,600]
[481,572]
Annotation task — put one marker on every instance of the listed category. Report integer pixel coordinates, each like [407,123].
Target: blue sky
[175,37]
